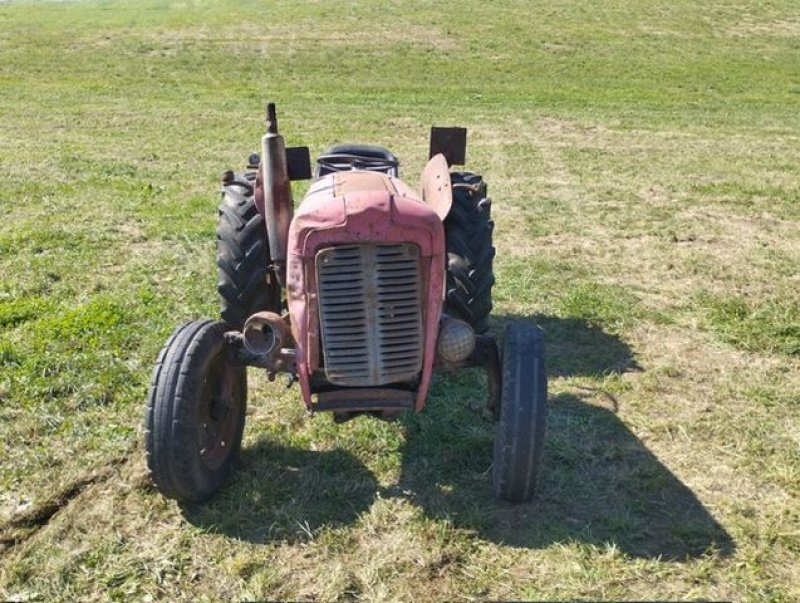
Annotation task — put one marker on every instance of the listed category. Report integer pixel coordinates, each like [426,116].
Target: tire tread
[243,284]
[468,234]
[520,430]
[169,428]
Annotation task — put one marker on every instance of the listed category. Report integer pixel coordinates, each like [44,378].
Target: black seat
[346,157]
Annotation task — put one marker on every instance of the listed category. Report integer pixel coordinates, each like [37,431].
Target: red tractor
[359,295]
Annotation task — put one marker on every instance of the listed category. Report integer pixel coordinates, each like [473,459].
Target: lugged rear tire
[470,253]
[519,437]
[244,283]
[195,413]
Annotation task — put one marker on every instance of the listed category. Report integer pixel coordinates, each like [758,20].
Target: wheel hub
[216,419]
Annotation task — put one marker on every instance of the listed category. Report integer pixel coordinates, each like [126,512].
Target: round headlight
[456,340]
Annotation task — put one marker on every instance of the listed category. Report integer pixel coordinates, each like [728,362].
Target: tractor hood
[361,206]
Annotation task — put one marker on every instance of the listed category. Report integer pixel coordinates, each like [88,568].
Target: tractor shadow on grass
[280,493]
[600,485]
[577,347]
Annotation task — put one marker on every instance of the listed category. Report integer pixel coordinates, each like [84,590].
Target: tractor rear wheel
[519,436]
[195,413]
[470,253]
[245,285]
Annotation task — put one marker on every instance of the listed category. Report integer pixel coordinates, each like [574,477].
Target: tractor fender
[437,192]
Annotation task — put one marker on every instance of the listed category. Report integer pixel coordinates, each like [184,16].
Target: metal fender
[436,189]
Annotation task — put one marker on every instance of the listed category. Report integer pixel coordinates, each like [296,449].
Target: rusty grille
[369,300]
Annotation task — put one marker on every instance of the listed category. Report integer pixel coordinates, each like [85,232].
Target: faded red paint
[360,207]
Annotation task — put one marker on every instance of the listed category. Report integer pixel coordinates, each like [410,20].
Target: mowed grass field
[644,162]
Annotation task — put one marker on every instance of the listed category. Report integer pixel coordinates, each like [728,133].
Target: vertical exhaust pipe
[278,203]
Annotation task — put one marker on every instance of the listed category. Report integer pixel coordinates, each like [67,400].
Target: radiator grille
[369,300]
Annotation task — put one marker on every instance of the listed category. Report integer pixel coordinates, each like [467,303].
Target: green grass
[644,164]
[773,326]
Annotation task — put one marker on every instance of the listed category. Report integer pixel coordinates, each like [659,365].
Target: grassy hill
[644,162]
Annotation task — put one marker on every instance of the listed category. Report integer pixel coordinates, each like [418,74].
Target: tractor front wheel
[195,413]
[520,429]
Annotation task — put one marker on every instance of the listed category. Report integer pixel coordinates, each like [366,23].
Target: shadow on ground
[577,347]
[281,493]
[600,484]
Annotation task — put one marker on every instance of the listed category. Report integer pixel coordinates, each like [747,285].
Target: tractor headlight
[456,340]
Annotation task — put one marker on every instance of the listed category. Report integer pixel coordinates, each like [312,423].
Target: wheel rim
[218,412]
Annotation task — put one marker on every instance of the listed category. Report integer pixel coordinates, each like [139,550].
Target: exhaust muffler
[278,202]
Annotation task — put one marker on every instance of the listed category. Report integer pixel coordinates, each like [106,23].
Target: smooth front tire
[519,436]
[195,413]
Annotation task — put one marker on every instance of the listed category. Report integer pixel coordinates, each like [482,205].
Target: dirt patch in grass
[750,27]
[26,522]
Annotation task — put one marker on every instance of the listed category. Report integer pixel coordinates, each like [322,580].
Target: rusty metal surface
[358,181]
[348,400]
[370,313]
[281,360]
[265,333]
[277,194]
[389,213]
[348,207]
[436,189]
